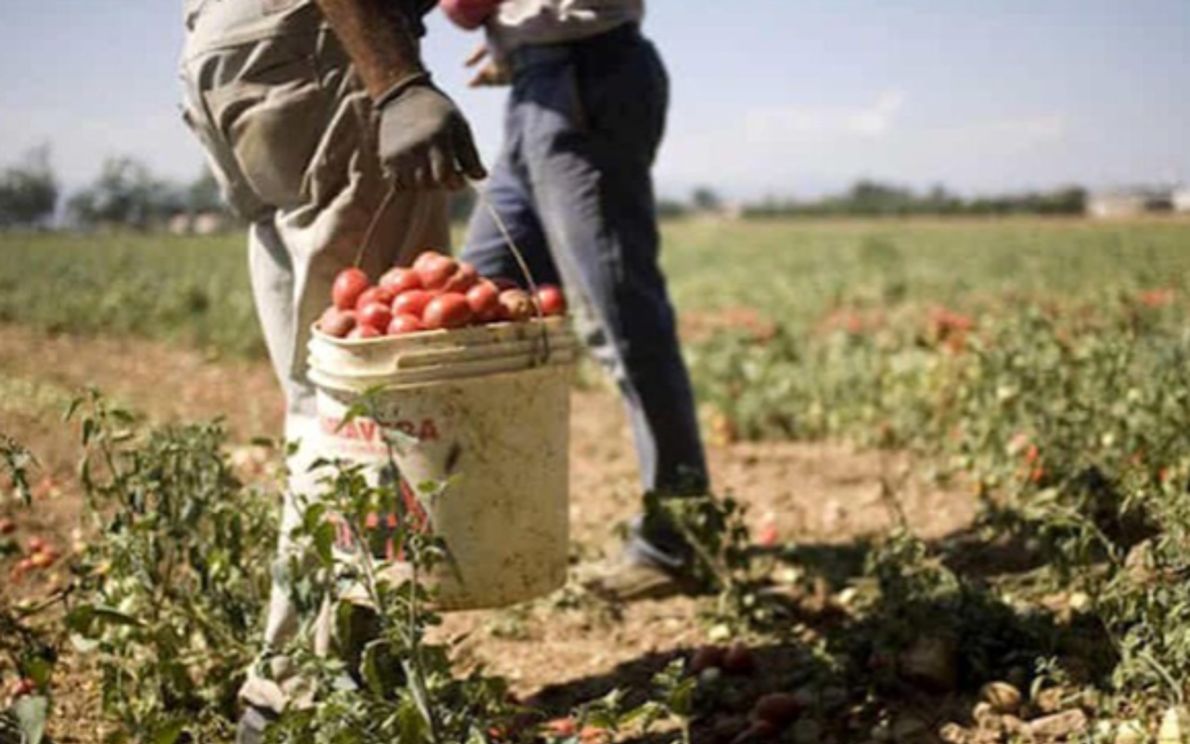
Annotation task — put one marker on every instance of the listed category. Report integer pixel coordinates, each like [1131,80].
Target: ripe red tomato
[515,305]
[7,526]
[22,687]
[404,323]
[361,332]
[426,257]
[469,14]
[707,657]
[377,315]
[44,558]
[448,310]
[463,279]
[348,286]
[484,300]
[383,295]
[759,731]
[336,322]
[562,726]
[400,279]
[412,302]
[739,660]
[551,300]
[436,270]
[36,544]
[778,708]
[767,536]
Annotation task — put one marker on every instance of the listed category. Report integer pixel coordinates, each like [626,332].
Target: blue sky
[770,96]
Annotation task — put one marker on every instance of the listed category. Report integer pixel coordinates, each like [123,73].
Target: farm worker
[309,110]
[585,117]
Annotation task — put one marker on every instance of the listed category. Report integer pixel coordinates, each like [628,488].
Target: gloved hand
[493,73]
[425,143]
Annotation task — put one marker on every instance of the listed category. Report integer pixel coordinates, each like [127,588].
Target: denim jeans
[573,185]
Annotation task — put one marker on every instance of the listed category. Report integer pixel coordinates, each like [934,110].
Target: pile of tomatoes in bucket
[436,292]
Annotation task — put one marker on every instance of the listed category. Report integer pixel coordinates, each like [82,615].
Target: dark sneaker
[253,722]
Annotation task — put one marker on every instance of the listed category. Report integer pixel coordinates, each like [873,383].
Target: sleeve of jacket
[416,11]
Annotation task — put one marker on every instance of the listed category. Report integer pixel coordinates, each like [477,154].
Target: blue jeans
[574,186]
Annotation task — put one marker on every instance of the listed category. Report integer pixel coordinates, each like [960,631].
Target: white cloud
[807,149]
[794,121]
[1018,131]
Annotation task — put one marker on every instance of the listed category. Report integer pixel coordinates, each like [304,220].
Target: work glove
[494,71]
[425,143]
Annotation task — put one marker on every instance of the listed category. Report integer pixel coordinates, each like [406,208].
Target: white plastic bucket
[489,408]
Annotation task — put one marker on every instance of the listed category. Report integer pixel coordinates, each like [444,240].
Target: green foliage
[28,191]
[175,289]
[174,592]
[29,650]
[873,199]
[16,462]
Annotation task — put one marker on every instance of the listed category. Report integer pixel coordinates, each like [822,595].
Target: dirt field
[816,495]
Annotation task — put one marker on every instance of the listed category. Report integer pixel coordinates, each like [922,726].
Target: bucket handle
[522,264]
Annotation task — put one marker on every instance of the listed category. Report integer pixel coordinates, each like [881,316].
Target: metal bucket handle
[522,264]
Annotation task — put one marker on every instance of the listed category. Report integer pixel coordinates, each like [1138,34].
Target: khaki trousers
[291,137]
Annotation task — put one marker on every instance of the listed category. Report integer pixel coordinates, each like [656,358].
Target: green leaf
[80,619]
[169,732]
[39,670]
[324,543]
[73,408]
[417,689]
[112,616]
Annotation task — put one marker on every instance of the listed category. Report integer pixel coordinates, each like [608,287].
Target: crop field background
[963,448]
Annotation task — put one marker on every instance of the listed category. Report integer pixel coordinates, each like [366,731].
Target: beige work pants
[291,137]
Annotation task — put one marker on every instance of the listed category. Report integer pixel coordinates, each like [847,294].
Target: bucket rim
[552,323]
[328,381]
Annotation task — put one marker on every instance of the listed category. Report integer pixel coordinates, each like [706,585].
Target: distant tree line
[28,191]
[125,194]
[868,198]
[874,199]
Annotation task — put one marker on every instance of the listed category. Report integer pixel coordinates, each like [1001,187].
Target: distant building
[1181,199]
[203,223]
[209,223]
[179,224]
[1129,202]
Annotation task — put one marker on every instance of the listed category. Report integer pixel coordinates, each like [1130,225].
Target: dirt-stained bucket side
[491,423]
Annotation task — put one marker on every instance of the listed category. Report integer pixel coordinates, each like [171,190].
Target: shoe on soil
[642,570]
[252,724]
